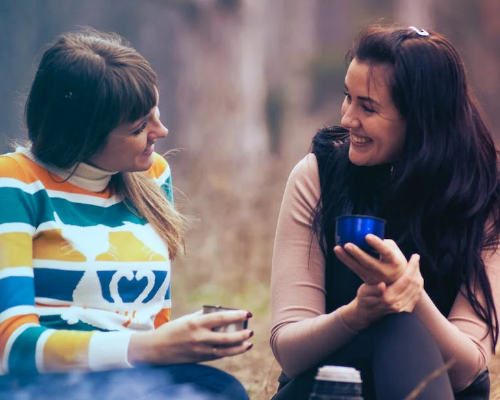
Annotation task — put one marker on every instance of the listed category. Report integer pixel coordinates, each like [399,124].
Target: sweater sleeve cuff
[109,350]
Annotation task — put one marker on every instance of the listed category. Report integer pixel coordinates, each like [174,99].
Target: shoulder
[160,170]
[303,181]
[306,169]
[18,166]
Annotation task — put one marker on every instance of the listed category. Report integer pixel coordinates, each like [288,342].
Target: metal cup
[232,327]
[354,228]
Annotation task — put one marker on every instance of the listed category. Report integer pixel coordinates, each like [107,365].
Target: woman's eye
[142,127]
[347,95]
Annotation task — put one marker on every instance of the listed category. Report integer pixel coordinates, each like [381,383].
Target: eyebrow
[365,98]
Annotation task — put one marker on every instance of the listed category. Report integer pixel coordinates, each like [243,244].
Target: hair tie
[421,32]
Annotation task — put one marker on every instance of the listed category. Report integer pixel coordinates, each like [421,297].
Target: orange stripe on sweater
[20,167]
[8,327]
[162,317]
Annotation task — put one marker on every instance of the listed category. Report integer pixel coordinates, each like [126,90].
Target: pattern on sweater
[79,271]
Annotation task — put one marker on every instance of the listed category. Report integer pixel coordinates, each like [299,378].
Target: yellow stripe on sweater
[15,249]
[66,350]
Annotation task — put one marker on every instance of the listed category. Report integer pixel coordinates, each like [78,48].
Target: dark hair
[88,82]
[444,192]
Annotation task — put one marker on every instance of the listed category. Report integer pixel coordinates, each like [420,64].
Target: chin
[359,161]
[141,168]
[363,160]
[147,166]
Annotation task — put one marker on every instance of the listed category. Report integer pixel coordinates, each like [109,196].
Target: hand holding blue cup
[354,228]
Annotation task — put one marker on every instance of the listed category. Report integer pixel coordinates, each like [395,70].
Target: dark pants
[182,381]
[394,356]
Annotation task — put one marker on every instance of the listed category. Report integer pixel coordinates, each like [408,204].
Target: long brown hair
[87,84]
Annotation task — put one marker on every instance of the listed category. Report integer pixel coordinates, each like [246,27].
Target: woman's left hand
[387,268]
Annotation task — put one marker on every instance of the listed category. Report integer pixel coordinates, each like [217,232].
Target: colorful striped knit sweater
[79,272]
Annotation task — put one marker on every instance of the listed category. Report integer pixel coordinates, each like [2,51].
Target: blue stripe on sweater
[60,285]
[16,291]
[35,209]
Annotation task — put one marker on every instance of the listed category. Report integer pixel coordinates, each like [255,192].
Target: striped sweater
[79,272]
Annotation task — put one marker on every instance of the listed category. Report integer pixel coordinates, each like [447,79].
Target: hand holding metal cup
[232,327]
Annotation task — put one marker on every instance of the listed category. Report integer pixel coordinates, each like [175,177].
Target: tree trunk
[414,13]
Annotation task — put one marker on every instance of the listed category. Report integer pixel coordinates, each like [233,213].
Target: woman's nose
[159,130]
[349,120]
[162,131]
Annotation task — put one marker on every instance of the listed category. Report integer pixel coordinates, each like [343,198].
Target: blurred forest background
[244,85]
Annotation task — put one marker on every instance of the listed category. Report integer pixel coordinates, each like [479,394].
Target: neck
[83,175]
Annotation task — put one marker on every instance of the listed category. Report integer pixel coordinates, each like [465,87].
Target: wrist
[141,348]
[351,316]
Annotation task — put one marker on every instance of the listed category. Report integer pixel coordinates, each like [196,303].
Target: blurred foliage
[228,5]
[327,71]
[275,110]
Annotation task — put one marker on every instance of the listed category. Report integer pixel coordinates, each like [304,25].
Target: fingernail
[249,315]
[251,334]
[250,346]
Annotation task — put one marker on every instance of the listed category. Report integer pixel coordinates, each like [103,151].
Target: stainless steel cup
[233,327]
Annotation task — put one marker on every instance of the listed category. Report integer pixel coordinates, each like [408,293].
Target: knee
[219,383]
[402,327]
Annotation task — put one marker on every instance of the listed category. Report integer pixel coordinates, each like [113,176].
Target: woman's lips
[149,150]
[360,140]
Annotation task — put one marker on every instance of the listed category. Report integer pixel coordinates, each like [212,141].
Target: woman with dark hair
[413,148]
[88,230]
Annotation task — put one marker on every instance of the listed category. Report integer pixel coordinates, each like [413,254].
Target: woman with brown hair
[414,149]
[88,230]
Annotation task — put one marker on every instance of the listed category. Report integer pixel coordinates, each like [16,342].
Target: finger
[363,258]
[414,262]
[372,290]
[364,272]
[349,255]
[368,268]
[221,318]
[227,339]
[213,352]
[387,248]
[345,257]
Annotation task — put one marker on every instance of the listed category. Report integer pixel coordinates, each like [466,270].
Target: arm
[25,345]
[463,336]
[302,334]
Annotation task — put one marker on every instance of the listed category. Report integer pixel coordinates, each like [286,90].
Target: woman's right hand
[374,301]
[190,339]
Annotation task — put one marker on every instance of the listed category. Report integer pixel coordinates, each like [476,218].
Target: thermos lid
[338,374]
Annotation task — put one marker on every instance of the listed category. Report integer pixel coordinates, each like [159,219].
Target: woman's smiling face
[377,130]
[130,147]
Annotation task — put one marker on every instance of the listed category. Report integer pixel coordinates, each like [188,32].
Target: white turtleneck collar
[85,176]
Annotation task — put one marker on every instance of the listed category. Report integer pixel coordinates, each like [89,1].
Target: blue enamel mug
[354,228]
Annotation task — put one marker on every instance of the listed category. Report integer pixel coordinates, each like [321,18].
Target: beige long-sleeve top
[302,334]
